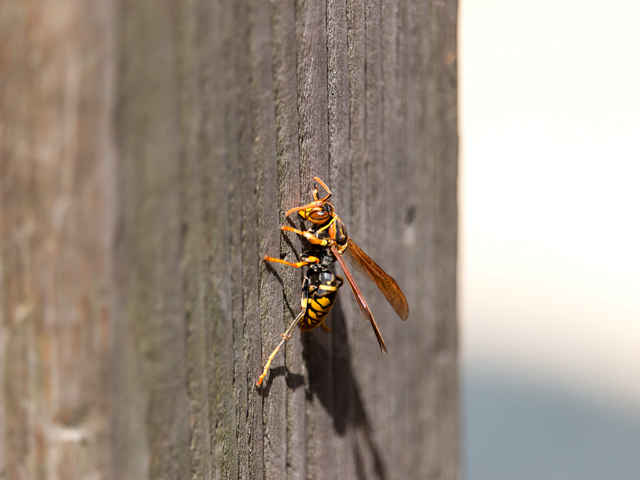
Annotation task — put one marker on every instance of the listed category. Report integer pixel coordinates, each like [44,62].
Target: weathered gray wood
[149,150]
[56,223]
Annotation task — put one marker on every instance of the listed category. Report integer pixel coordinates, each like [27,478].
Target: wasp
[326,243]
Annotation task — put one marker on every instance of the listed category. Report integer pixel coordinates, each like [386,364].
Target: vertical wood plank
[267,209]
[217,145]
[151,289]
[56,227]
[194,246]
[339,178]
[443,118]
[313,137]
[244,218]
[284,57]
[221,113]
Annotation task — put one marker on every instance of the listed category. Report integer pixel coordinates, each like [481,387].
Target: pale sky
[550,191]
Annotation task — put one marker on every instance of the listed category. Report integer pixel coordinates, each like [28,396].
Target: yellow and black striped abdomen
[317,306]
[319,294]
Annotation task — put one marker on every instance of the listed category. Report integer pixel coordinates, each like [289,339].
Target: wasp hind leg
[286,335]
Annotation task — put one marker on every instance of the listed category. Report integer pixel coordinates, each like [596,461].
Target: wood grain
[56,226]
[149,150]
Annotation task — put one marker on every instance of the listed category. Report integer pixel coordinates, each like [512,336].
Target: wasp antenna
[326,189]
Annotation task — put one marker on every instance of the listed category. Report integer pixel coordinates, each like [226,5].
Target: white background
[550,203]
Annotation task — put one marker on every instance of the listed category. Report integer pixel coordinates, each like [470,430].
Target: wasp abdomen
[319,294]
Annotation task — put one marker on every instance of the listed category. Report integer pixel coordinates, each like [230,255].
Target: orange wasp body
[327,241]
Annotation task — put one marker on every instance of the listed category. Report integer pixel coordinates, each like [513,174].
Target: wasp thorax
[327,277]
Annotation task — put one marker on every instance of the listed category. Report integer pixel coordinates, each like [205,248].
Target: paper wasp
[326,242]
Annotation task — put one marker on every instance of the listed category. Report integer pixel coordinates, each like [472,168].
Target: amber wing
[362,303]
[382,279]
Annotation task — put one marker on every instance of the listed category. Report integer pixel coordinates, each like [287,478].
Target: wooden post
[57,205]
[149,150]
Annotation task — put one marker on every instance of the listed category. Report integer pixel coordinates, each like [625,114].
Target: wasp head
[320,210]
[320,213]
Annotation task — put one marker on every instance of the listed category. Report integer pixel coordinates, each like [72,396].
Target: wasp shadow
[333,383]
[293,380]
[293,312]
[336,386]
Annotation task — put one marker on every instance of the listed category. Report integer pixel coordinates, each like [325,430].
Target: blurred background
[550,238]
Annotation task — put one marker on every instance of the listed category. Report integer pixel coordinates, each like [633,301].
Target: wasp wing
[362,303]
[382,279]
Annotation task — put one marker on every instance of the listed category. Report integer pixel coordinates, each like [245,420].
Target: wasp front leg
[310,237]
[306,261]
[309,206]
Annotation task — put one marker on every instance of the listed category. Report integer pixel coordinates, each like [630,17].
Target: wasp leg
[324,327]
[303,263]
[285,336]
[314,204]
[310,237]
